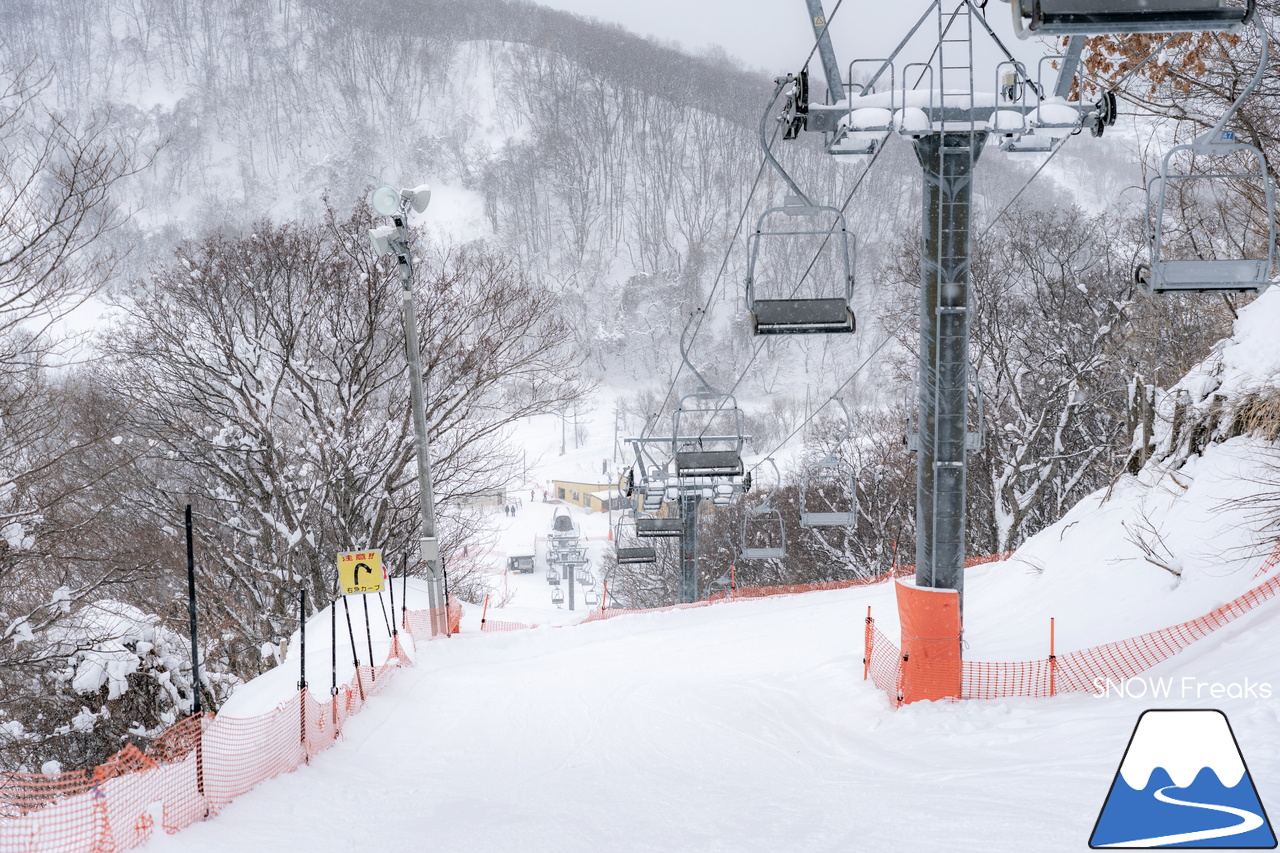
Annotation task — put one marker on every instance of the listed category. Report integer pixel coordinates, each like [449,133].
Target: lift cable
[724,263]
[738,228]
[833,398]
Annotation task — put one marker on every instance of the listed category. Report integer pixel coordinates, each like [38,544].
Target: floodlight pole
[430,549]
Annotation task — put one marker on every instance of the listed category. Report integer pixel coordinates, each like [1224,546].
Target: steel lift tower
[941,109]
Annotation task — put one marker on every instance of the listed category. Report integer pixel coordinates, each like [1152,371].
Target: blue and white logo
[1183,783]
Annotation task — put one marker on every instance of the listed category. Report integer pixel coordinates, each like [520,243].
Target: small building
[581,494]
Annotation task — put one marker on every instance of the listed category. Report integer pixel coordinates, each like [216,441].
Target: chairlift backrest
[803,282]
[654,527]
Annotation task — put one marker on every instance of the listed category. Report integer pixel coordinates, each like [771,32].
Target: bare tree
[268,370]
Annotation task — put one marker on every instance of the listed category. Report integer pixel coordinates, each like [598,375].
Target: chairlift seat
[801,317]
[828,519]
[659,527]
[838,474]
[1033,18]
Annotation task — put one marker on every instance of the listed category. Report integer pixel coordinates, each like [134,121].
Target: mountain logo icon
[1183,783]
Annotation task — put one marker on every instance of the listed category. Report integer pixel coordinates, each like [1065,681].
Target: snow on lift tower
[1178,262]
[707,428]
[1034,18]
[764,537]
[808,270]
[829,488]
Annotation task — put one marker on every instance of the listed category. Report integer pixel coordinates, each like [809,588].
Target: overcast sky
[775,35]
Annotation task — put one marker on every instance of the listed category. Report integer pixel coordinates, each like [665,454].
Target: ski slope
[744,726]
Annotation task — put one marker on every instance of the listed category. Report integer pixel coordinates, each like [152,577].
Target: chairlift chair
[779,311]
[628,549]
[831,475]
[764,537]
[1036,18]
[553,577]
[820,478]
[708,436]
[1165,274]
[557,597]
[591,598]
[562,526]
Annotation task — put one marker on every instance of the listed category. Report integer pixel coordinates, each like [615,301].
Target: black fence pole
[195,650]
[302,632]
[382,605]
[445,571]
[355,656]
[302,677]
[333,638]
[368,634]
[404,593]
[391,588]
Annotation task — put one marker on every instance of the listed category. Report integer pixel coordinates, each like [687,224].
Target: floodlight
[418,197]
[381,239]
[385,201]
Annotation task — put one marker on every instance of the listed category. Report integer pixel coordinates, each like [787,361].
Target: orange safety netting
[190,772]
[1083,671]
[499,625]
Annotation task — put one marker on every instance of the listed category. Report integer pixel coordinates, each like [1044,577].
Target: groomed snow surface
[743,726]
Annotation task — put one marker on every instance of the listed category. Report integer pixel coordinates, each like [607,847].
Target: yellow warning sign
[360,571]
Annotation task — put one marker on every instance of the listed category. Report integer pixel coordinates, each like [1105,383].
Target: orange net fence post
[484,613]
[868,638]
[1053,662]
[930,621]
